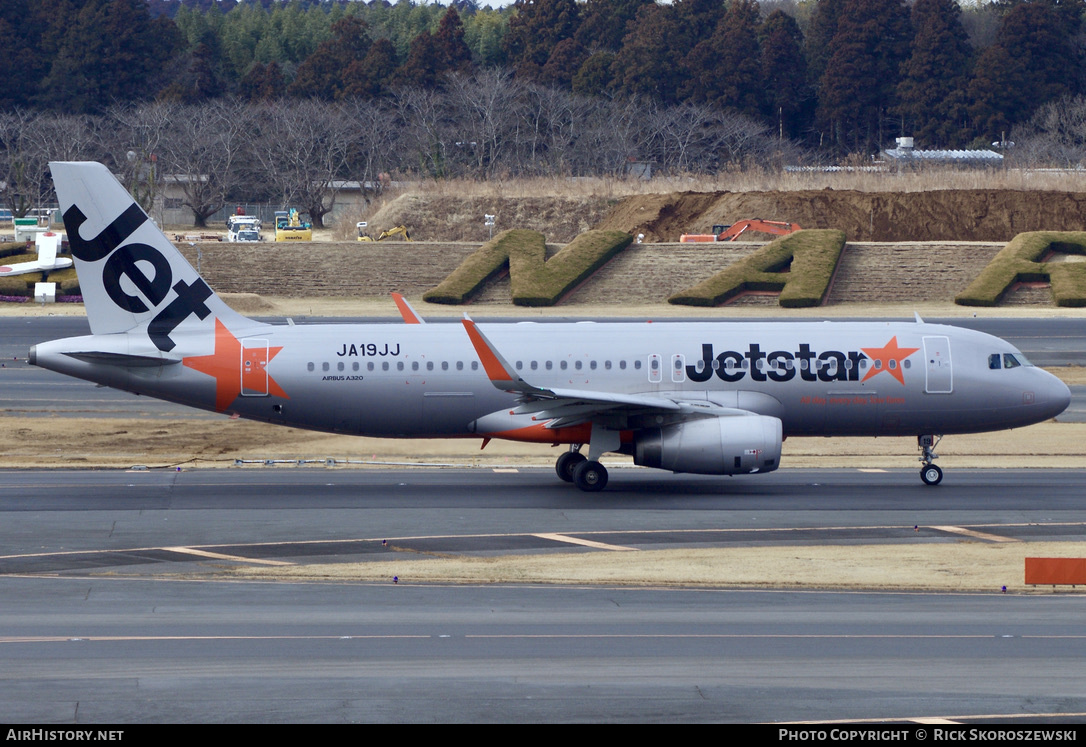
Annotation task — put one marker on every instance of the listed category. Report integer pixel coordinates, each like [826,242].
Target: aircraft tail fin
[129,272]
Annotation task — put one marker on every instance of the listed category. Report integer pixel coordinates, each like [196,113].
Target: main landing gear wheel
[567,463]
[590,476]
[931,475]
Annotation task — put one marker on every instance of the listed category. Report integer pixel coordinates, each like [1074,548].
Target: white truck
[243,228]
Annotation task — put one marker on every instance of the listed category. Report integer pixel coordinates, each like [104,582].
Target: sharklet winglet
[497,369]
[410,316]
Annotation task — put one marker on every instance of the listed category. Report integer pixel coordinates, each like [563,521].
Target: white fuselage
[407,380]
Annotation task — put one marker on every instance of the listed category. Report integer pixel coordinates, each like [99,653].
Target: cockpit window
[1007,360]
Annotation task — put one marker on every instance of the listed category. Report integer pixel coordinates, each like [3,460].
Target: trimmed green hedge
[799,265]
[10,248]
[482,265]
[535,280]
[1018,262]
[541,283]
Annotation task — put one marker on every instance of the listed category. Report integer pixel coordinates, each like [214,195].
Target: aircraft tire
[567,463]
[590,476]
[931,475]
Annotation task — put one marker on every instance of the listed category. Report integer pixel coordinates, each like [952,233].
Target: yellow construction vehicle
[289,227]
[363,236]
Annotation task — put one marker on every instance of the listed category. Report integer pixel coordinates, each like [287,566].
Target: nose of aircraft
[1053,396]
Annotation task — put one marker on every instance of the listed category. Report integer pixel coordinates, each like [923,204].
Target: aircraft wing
[566,407]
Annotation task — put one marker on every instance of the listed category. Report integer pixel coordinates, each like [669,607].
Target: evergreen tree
[455,55]
[649,63]
[1033,61]
[724,69]
[484,32]
[936,76]
[323,74]
[112,52]
[819,37]
[563,64]
[604,23]
[789,99]
[535,29]
[594,77]
[372,76]
[422,68]
[263,82]
[859,84]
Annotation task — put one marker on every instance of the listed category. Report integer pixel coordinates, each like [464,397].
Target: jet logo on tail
[131,262]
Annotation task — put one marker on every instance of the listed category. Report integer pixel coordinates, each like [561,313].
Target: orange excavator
[732,232]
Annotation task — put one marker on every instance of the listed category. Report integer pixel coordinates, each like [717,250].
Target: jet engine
[725,445]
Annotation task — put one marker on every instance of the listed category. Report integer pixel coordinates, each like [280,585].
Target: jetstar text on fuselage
[784,365]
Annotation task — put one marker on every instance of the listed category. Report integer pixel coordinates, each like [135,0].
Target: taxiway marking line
[587,543]
[222,556]
[975,534]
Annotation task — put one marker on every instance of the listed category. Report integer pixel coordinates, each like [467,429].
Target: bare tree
[426,138]
[134,139]
[485,107]
[375,142]
[303,150]
[1055,135]
[202,153]
[28,142]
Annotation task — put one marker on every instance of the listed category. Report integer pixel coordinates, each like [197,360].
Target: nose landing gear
[929,473]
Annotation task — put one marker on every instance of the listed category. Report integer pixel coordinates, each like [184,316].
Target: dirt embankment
[936,215]
[945,215]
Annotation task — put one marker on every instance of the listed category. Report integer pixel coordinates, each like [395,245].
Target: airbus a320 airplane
[710,398]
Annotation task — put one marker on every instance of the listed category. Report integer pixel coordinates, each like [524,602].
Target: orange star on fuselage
[888,352]
[226,366]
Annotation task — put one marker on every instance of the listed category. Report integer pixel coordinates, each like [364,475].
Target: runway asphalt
[109,614]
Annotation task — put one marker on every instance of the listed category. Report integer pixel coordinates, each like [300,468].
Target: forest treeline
[835,76]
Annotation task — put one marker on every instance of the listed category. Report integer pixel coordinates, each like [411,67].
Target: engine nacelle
[726,445]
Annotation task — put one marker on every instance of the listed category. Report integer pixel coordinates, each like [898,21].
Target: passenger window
[475,365]
[577,365]
[607,365]
[384,365]
[324,366]
[520,365]
[637,365]
[429,365]
[399,365]
[414,365]
[460,365]
[549,365]
[369,366]
[339,366]
[309,366]
[445,365]
[622,365]
[354,366]
[563,365]
[535,365]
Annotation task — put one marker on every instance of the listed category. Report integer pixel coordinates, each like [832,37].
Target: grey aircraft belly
[714,398]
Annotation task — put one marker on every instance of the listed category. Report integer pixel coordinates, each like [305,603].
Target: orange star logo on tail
[235,367]
[887,358]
